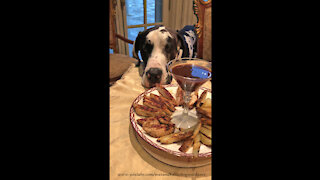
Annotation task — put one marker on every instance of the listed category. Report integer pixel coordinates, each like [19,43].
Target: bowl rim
[190,60]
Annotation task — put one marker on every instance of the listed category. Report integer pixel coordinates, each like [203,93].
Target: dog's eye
[167,48]
[147,47]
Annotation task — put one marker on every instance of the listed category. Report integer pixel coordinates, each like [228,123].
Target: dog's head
[157,45]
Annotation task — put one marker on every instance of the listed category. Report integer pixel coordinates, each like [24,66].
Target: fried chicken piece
[153,127]
[196,145]
[165,120]
[153,104]
[146,111]
[205,120]
[176,137]
[193,100]
[186,145]
[150,120]
[205,140]
[179,96]
[180,101]
[158,131]
[204,112]
[202,97]
[196,130]
[166,94]
[163,100]
[207,127]
[206,132]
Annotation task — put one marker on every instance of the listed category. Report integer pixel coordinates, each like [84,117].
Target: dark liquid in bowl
[196,76]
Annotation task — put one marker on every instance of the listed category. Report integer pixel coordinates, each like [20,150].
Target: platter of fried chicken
[152,116]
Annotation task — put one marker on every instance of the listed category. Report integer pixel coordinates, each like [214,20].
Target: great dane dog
[158,45]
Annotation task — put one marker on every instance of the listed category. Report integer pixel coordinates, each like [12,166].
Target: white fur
[157,59]
[190,41]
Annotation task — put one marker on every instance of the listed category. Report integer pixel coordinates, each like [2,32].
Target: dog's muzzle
[154,75]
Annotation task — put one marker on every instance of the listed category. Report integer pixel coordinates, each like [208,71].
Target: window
[141,15]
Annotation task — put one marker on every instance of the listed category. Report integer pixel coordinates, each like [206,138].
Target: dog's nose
[154,75]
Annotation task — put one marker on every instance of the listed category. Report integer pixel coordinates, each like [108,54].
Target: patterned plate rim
[141,134]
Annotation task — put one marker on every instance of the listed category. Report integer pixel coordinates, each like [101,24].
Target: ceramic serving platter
[169,153]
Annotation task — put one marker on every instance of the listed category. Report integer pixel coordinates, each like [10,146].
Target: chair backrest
[202,9]
[113,36]
[112,26]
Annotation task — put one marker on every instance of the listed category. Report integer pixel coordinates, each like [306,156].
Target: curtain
[121,26]
[178,13]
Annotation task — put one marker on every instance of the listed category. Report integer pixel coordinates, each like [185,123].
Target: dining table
[128,159]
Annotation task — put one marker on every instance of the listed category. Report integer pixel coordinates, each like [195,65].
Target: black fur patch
[143,46]
[163,30]
[170,48]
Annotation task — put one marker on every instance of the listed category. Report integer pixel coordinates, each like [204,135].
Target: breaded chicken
[154,104]
[166,94]
[158,130]
[151,120]
[146,111]
[163,100]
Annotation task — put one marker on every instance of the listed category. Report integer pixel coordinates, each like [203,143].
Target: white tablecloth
[128,160]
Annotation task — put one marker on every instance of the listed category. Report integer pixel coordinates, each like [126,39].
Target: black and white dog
[158,45]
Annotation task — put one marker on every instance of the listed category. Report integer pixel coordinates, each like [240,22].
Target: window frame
[145,24]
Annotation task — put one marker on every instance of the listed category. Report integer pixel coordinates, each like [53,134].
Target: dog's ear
[183,46]
[136,48]
[157,26]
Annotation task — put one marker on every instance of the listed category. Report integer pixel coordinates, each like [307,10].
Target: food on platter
[206,126]
[161,99]
[158,130]
[205,112]
[149,120]
[186,145]
[196,145]
[206,121]
[201,98]
[157,126]
[206,132]
[193,100]
[146,111]
[204,109]
[156,112]
[166,94]
[175,137]
[147,101]
[180,101]
[179,96]
[165,120]
[189,142]
[203,106]
[205,140]
[206,103]
[196,130]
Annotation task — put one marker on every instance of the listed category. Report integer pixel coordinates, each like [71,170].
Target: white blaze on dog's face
[157,46]
[157,58]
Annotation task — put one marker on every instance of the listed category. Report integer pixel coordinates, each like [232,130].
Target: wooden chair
[113,36]
[118,63]
[202,9]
